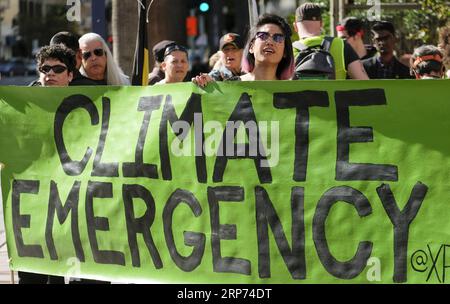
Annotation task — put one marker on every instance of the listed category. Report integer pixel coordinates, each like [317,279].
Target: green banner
[245,182]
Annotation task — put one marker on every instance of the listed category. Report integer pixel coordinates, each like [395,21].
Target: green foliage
[422,25]
[414,26]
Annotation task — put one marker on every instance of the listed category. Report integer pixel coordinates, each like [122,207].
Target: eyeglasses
[58,69]
[173,48]
[97,52]
[278,38]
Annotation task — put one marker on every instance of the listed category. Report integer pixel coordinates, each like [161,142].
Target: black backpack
[314,62]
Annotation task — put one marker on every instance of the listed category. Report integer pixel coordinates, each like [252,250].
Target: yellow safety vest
[336,51]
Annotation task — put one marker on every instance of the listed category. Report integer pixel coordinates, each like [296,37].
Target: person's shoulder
[34,83]
[400,64]
[403,70]
[125,79]
[153,78]
[369,61]
[82,81]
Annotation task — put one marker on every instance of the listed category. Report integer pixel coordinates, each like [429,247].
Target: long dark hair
[285,67]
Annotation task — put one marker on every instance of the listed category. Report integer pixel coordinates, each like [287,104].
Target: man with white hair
[98,63]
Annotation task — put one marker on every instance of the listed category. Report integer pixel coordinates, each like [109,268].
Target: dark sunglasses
[278,38]
[97,52]
[58,69]
[174,48]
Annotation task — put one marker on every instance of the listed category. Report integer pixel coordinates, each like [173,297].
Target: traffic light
[204,6]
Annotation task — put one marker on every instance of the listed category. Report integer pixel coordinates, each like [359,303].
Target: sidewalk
[5,272]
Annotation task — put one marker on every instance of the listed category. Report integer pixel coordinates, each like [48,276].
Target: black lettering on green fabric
[401,221]
[301,101]
[69,104]
[192,239]
[140,225]
[138,168]
[345,170]
[55,206]
[225,231]
[266,216]
[352,268]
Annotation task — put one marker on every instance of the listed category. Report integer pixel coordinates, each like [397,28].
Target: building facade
[9,10]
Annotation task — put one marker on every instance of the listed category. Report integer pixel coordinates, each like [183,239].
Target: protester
[231,49]
[98,63]
[352,31]
[385,65]
[427,62]
[56,64]
[70,40]
[157,73]
[308,24]
[444,45]
[268,52]
[175,64]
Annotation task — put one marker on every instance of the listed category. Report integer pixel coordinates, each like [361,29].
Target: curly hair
[59,52]
[285,67]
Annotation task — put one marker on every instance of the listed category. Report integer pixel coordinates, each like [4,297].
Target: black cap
[160,48]
[231,38]
[308,11]
[174,47]
[70,40]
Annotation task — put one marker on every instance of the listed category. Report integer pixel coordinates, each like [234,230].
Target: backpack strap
[326,43]
[299,45]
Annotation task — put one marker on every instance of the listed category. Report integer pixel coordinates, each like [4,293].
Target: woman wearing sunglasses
[268,53]
[56,65]
[98,63]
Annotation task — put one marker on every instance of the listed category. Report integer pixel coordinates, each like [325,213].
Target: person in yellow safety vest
[308,24]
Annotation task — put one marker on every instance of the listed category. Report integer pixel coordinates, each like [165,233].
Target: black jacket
[395,70]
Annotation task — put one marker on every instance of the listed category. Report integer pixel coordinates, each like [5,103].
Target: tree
[166,21]
[414,26]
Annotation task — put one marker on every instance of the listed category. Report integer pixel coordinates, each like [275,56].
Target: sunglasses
[58,69]
[278,38]
[97,52]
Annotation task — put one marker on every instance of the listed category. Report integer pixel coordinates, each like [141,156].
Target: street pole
[99,18]
[341,10]
[334,15]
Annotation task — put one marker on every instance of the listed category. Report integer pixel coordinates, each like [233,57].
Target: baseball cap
[160,48]
[308,11]
[231,38]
